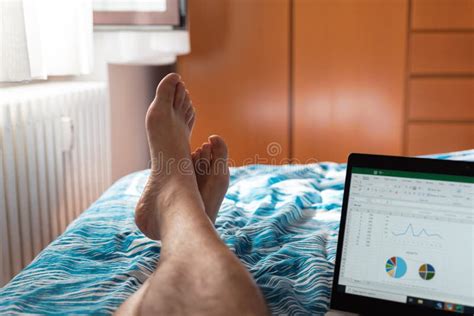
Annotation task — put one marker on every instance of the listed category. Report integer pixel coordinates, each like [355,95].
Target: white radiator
[54,154]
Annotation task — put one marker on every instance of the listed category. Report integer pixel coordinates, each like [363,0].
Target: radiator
[54,154]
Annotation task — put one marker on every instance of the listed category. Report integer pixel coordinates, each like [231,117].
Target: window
[140,12]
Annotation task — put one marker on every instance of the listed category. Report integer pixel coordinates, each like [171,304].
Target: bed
[281,221]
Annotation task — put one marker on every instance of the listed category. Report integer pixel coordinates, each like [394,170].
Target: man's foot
[212,173]
[169,122]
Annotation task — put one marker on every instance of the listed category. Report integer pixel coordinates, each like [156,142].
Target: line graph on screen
[410,231]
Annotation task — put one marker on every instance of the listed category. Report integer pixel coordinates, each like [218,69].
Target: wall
[132,88]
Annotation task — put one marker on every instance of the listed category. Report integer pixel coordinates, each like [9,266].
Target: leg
[197,273]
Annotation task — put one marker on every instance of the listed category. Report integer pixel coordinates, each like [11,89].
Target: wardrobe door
[238,76]
[349,77]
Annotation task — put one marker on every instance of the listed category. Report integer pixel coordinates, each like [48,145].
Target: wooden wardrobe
[349,66]
[440,77]
[238,75]
[318,79]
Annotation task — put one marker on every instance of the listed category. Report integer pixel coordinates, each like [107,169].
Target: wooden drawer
[442,14]
[442,53]
[430,138]
[441,99]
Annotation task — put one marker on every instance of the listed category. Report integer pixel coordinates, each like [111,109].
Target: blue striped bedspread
[281,221]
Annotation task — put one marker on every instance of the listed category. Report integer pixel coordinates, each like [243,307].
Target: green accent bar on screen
[412,175]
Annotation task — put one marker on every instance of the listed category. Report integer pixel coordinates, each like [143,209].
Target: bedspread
[281,221]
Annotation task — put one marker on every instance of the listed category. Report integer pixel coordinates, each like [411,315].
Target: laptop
[406,238]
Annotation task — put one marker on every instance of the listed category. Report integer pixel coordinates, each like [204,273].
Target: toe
[206,151]
[186,102]
[192,120]
[167,88]
[180,95]
[206,156]
[219,147]
[197,153]
[200,166]
[189,116]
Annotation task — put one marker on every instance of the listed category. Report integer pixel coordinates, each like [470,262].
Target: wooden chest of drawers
[440,87]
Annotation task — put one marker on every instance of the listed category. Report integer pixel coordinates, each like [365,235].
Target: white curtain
[41,38]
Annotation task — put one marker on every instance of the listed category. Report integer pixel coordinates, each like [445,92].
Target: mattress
[281,221]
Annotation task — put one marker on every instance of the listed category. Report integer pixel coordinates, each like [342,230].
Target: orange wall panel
[349,77]
[238,75]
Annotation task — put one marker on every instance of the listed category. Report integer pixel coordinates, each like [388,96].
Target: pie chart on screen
[396,267]
[426,271]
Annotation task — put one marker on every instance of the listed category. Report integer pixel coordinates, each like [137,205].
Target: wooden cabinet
[442,53]
[442,14]
[324,78]
[440,96]
[438,137]
[238,75]
[441,99]
[349,77]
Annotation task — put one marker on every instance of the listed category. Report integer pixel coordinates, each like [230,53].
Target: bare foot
[169,122]
[212,173]
[171,207]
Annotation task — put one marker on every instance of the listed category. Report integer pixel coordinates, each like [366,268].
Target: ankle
[178,192]
[172,166]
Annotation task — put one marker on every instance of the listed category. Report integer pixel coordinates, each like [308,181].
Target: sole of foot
[212,173]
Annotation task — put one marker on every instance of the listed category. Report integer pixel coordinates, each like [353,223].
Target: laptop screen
[409,239]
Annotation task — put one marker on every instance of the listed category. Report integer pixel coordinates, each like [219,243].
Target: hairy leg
[197,274]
